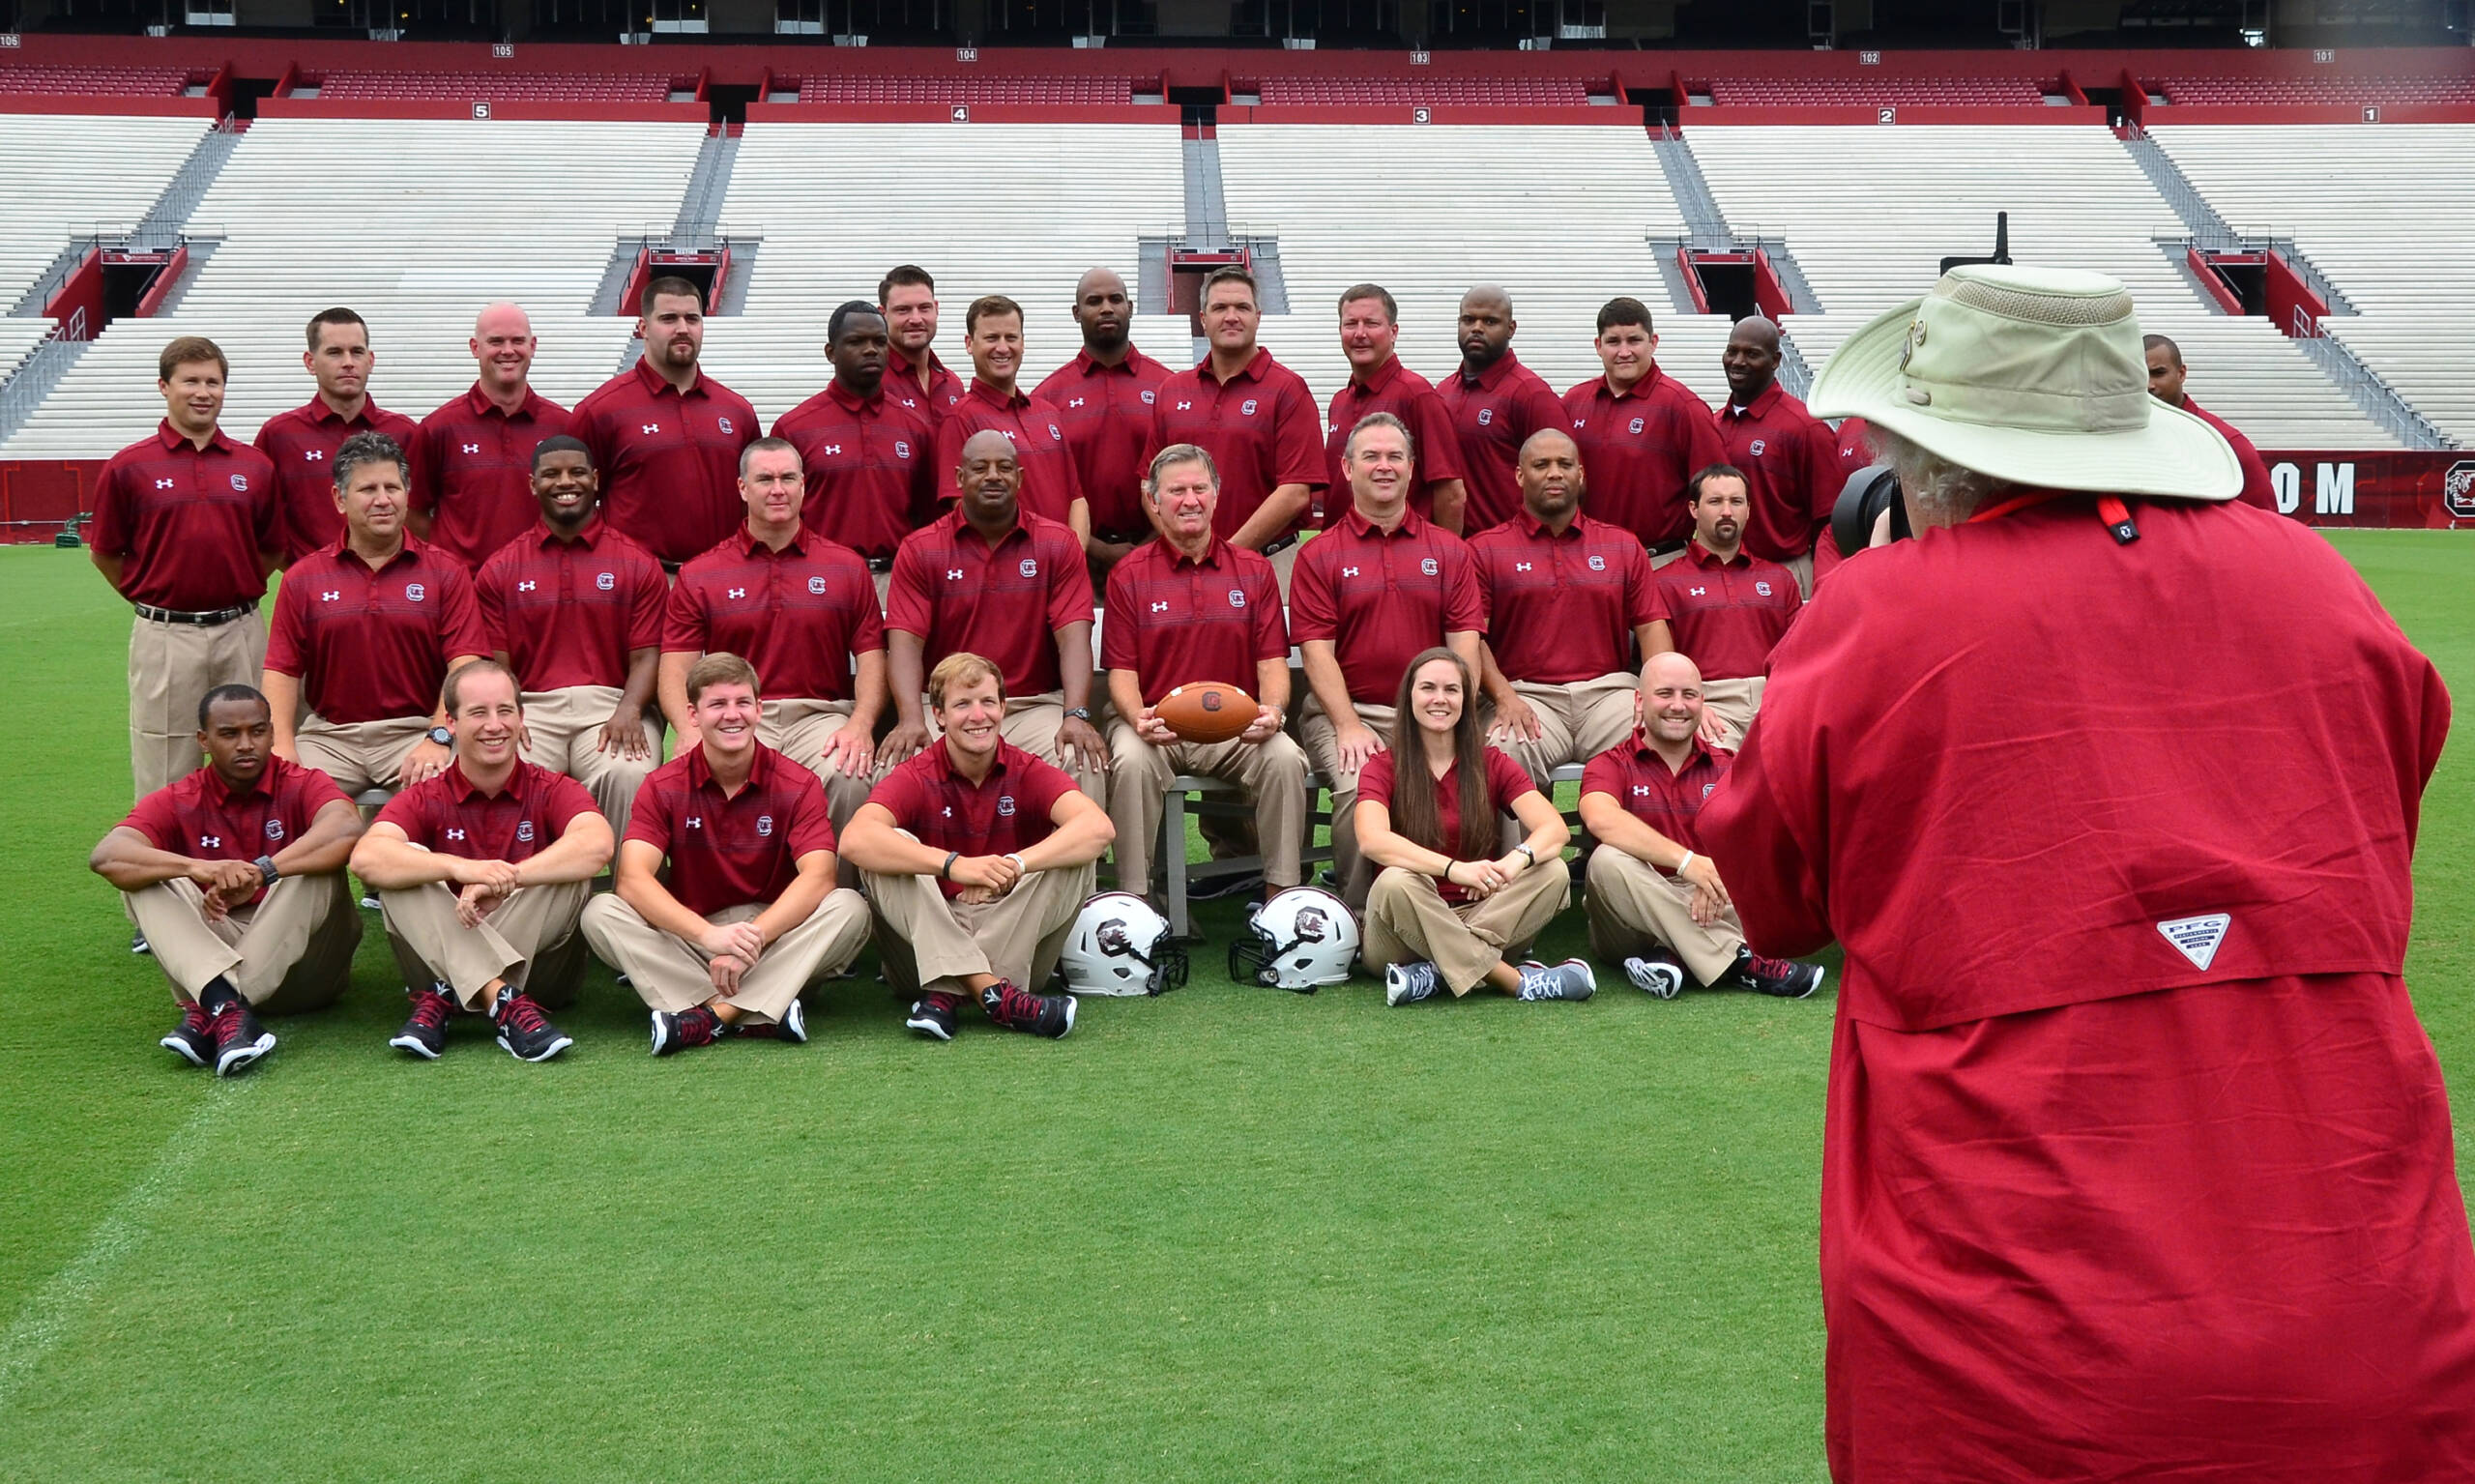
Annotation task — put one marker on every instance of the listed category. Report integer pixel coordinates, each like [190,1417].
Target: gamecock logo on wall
[2457,490]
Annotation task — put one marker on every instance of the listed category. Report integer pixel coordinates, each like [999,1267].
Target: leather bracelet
[946,872]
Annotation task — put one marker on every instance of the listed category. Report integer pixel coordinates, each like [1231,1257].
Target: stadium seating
[1360,92]
[560,87]
[2379,212]
[96,81]
[1013,209]
[74,174]
[847,89]
[1870,213]
[1870,92]
[2337,90]
[1453,206]
[468,211]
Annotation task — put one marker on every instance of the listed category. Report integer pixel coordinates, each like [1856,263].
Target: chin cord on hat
[2118,518]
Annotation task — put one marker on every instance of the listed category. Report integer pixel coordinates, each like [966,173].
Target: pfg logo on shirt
[765,824]
[1247,409]
[1031,567]
[1486,414]
[413,592]
[816,585]
[1427,564]
[606,581]
[275,830]
[1637,424]
[1598,564]
[724,424]
[1761,588]
[1005,805]
[239,483]
[902,447]
[524,831]
[1236,597]
[1756,448]
[1054,436]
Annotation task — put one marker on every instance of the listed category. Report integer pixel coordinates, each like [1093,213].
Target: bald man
[1655,901]
[473,458]
[1104,396]
[1572,607]
[1495,404]
[1789,458]
[2166,373]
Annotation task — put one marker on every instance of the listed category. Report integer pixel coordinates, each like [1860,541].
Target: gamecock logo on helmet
[1312,925]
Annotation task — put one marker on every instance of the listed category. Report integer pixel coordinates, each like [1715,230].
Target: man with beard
[1789,458]
[866,445]
[1496,403]
[473,458]
[1725,606]
[907,297]
[666,436]
[1104,396]
[1572,608]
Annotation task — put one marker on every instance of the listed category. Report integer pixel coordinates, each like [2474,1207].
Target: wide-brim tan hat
[2035,375]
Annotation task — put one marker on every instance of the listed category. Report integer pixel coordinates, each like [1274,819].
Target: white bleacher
[2380,211]
[69,175]
[415,224]
[1430,211]
[1868,214]
[18,339]
[1013,209]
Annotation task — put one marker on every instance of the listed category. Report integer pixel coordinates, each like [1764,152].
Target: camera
[1862,500]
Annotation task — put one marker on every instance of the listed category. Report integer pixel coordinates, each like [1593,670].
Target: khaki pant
[1285,562]
[171,667]
[1324,750]
[1407,921]
[669,973]
[1802,569]
[291,952]
[562,730]
[359,755]
[929,943]
[1031,723]
[1575,722]
[1273,776]
[1633,908]
[797,728]
[433,945]
[1733,702]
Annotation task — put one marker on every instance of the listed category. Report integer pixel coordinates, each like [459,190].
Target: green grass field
[1227,1233]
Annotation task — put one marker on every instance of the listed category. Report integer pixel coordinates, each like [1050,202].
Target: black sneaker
[524,1032]
[931,1018]
[138,944]
[424,1032]
[1658,972]
[1780,977]
[1019,1009]
[239,1039]
[697,1027]
[792,1027]
[193,1040]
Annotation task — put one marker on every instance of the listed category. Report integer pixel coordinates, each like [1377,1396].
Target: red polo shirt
[1002,814]
[870,464]
[1855,449]
[1667,800]
[371,646]
[302,445]
[1493,415]
[669,460]
[568,612]
[1381,598]
[473,472]
[1725,616]
[196,816]
[2256,470]
[1004,602]
[447,814]
[1050,484]
[1175,621]
[1505,782]
[1790,463]
[945,388]
[2126,1086]
[1638,449]
[187,523]
[798,615]
[1260,427]
[730,850]
[1410,398]
[1107,413]
[1561,609]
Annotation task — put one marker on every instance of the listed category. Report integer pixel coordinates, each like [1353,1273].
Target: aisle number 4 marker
[960,113]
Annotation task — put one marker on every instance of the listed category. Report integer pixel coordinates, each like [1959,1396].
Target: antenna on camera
[2001,245]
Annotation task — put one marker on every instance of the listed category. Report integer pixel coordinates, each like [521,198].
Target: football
[1206,712]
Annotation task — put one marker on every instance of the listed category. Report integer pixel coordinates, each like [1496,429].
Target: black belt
[1662,548]
[1283,545]
[879,565]
[671,568]
[153,614]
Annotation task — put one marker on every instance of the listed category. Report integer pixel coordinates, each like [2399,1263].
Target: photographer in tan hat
[2138,1163]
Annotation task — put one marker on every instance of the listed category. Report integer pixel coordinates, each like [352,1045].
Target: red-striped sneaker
[193,1040]
[424,1032]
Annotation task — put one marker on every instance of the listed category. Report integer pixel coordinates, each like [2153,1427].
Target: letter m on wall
[2334,490]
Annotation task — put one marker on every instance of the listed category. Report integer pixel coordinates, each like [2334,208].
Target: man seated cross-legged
[481,872]
[977,855]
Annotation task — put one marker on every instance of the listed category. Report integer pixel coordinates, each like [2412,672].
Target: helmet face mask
[1120,946]
[1299,940]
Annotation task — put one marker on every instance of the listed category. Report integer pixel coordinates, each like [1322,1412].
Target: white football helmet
[1300,940]
[1121,947]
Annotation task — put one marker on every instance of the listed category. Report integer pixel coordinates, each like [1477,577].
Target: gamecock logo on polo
[413,592]
[1006,805]
[1486,414]
[816,585]
[606,581]
[275,830]
[2457,490]
[1236,597]
[1248,408]
[765,824]
[1031,567]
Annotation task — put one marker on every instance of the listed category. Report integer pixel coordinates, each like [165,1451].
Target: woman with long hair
[1447,910]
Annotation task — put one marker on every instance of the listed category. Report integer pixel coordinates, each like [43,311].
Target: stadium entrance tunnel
[1735,283]
[115,283]
[708,267]
[2260,282]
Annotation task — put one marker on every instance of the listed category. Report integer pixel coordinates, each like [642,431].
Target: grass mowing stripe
[48,1316]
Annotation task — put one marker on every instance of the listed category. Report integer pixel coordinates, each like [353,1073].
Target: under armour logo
[1521,566]
[314,456]
[953,574]
[695,821]
[1073,402]
[1641,791]
[472,448]
[331,595]
[527,586]
[210,842]
[831,450]
[1160,608]
[163,484]
[653,428]
[455,834]
[1185,406]
[1700,593]
[738,592]
[1349,572]
[950,812]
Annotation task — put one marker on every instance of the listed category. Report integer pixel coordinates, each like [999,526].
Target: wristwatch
[442,736]
[1079,712]
[1527,854]
[267,873]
